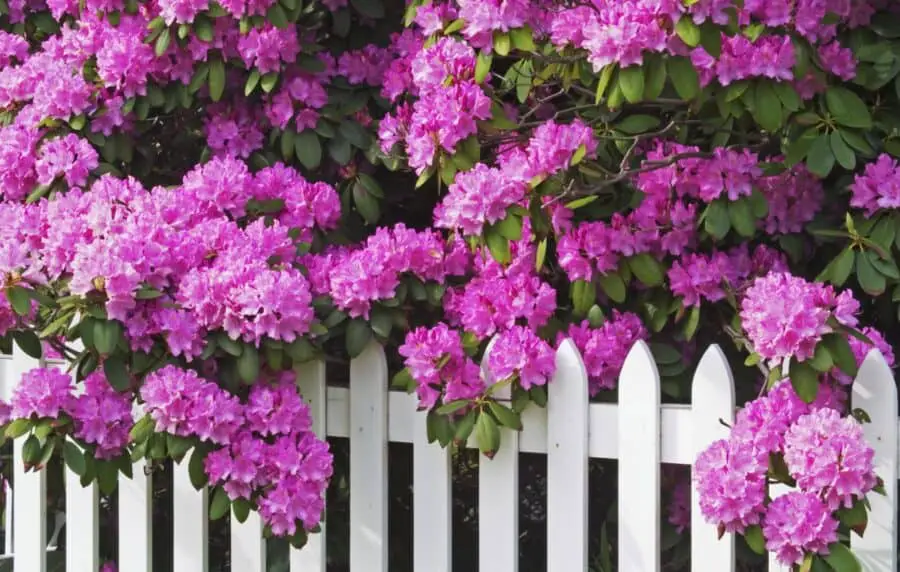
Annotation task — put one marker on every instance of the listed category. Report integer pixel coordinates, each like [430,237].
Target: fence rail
[638,431]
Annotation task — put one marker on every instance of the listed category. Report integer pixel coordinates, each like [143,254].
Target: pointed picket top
[875,392]
[368,460]
[639,461]
[498,493]
[712,403]
[568,424]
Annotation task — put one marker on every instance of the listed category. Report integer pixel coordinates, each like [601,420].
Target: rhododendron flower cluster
[264,450]
[825,454]
[604,349]
[101,417]
[785,316]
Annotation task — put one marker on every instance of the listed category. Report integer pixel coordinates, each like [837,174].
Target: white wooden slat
[82,516]
[775,491]
[875,392]
[639,462]
[248,547]
[30,493]
[432,499]
[135,520]
[567,463]
[368,461]
[713,400]
[677,447]
[311,379]
[82,525]
[498,495]
[6,389]
[191,522]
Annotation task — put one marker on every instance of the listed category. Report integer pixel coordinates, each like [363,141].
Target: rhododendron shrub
[198,197]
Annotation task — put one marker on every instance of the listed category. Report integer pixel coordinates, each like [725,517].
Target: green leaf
[300,351]
[855,518]
[452,407]
[684,77]
[359,334]
[754,537]
[805,381]
[583,296]
[17,428]
[741,216]
[821,360]
[367,205]
[278,17]
[31,451]
[845,156]
[870,279]
[522,39]
[788,96]
[498,246]
[483,66]
[465,426]
[287,144]
[162,42]
[241,509]
[842,559]
[107,477]
[505,416]
[717,221]
[540,255]
[767,110]
[688,31]
[510,227]
[29,343]
[74,458]
[487,433]
[841,352]
[219,505]
[613,286]
[248,364]
[647,269]
[655,81]
[339,149]
[370,8]
[116,373]
[268,81]
[820,160]
[177,446]
[19,300]
[502,43]
[231,347]
[355,134]
[603,81]
[308,149]
[838,270]
[634,124]
[403,380]
[631,82]
[438,428]
[847,108]
[196,472]
[216,79]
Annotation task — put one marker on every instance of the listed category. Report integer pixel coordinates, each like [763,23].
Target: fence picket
[311,379]
[875,392]
[639,458]
[248,547]
[30,497]
[712,401]
[567,463]
[432,516]
[191,522]
[83,534]
[135,518]
[498,496]
[368,461]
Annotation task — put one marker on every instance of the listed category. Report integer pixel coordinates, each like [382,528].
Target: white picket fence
[639,432]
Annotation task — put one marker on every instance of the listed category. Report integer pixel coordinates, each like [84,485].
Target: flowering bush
[198,196]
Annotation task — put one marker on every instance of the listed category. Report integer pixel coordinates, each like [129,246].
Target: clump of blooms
[102,416]
[828,456]
[798,523]
[520,352]
[786,316]
[265,451]
[730,477]
[437,362]
[877,187]
[812,447]
[604,349]
[42,393]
